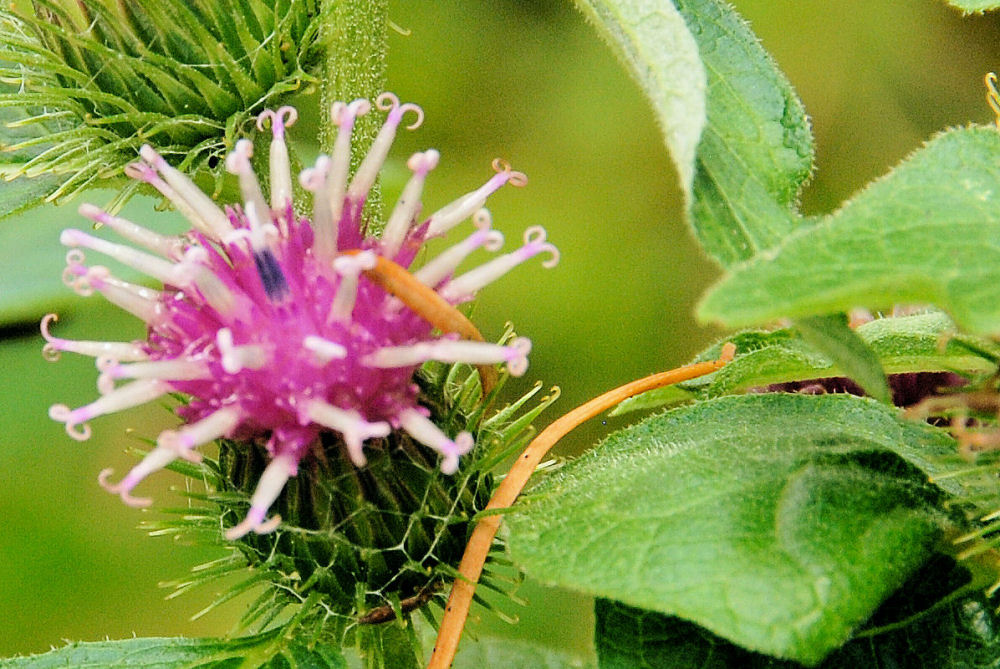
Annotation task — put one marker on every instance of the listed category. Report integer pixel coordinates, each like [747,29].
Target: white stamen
[144,303]
[375,158]
[154,461]
[349,267]
[238,358]
[238,163]
[351,425]
[323,223]
[323,350]
[343,116]
[123,351]
[409,202]
[281,175]
[214,426]
[444,265]
[126,397]
[166,370]
[454,213]
[158,268]
[207,215]
[444,350]
[427,433]
[168,247]
[194,270]
[465,286]
[271,483]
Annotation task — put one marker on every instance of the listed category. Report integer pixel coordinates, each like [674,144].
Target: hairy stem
[356,41]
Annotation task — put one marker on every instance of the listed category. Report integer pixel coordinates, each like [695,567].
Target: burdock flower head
[287,331]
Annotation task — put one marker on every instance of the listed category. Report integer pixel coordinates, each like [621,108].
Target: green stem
[356,39]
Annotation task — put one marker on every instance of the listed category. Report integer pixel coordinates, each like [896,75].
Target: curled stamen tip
[51,353]
[482,219]
[250,523]
[280,119]
[514,178]
[123,489]
[48,319]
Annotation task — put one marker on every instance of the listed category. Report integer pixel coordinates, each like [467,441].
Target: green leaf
[155,653]
[24,194]
[656,47]
[848,351]
[756,150]
[914,628]
[777,521]
[487,653]
[33,260]
[925,233]
[919,343]
[974,6]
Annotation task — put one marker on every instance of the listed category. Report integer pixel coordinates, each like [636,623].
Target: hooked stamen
[452,214]
[465,286]
[169,247]
[146,304]
[207,216]
[409,202]
[343,116]
[271,483]
[470,352]
[427,433]
[208,429]
[123,351]
[352,426]
[167,370]
[444,265]
[323,223]
[158,268]
[375,158]
[238,163]
[126,397]
[281,176]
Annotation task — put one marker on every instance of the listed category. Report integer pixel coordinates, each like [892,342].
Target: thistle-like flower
[279,328]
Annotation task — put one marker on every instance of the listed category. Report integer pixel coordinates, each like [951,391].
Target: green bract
[86,84]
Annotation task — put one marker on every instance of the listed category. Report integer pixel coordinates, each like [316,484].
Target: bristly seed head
[272,325]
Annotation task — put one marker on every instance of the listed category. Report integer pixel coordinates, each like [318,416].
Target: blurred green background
[531,82]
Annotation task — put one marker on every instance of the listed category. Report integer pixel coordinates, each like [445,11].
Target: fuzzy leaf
[33,259]
[756,150]
[779,522]
[848,351]
[171,653]
[925,233]
[961,634]
[974,6]
[920,343]
[653,42]
[21,195]
[515,654]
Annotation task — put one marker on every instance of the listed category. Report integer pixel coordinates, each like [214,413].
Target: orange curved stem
[425,302]
[476,551]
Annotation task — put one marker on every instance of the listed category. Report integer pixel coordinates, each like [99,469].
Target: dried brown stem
[471,567]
